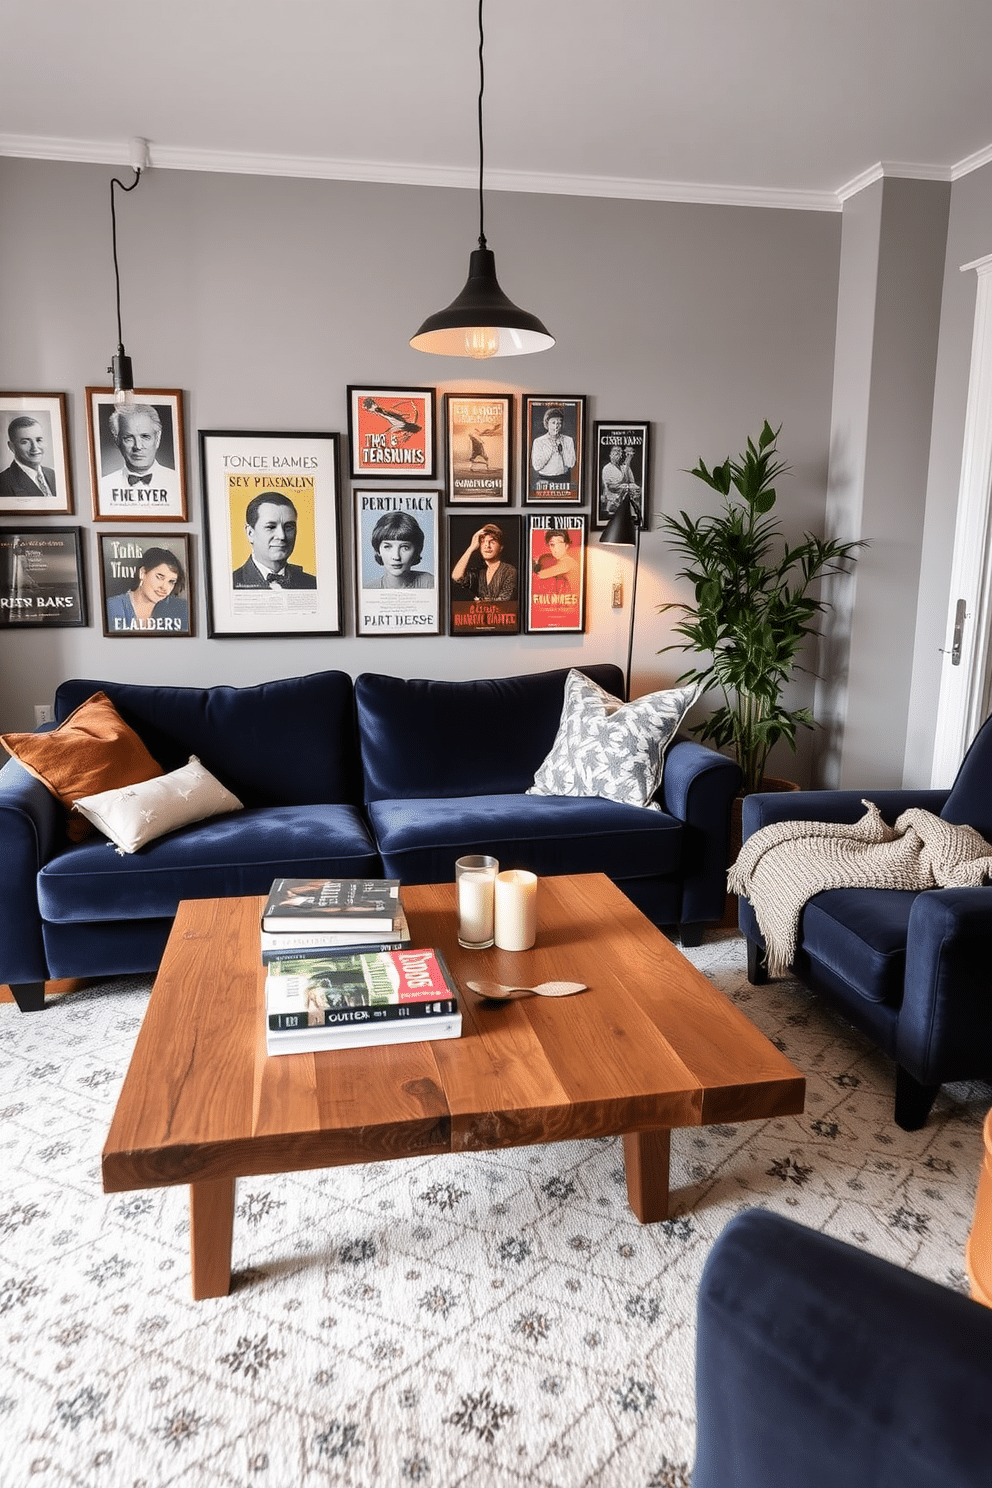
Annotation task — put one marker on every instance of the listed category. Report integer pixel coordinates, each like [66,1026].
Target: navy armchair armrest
[697,787]
[818,1364]
[31,831]
[761,810]
[945,1021]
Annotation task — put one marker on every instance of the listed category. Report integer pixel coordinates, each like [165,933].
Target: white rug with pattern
[489,1321]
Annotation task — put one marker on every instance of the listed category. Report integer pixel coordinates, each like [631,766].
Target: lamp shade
[482,322]
[622,529]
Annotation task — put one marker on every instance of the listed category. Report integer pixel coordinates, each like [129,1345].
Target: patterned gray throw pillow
[608,748]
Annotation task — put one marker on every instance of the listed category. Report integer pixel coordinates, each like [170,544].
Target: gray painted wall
[264,297]
[892,260]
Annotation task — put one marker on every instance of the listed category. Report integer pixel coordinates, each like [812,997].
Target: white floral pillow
[137,814]
[608,748]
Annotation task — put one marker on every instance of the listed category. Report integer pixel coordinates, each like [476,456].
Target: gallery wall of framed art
[498,546]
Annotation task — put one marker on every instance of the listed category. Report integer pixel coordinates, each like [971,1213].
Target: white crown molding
[899,170]
[169,157]
[972,163]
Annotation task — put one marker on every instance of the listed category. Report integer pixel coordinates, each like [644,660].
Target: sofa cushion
[430,739]
[284,743]
[93,749]
[860,935]
[419,840]
[227,855]
[605,747]
[137,814]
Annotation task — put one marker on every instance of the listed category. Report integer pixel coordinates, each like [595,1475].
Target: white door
[965,677]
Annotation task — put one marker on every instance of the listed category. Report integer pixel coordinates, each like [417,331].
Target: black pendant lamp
[482,322]
[120,365]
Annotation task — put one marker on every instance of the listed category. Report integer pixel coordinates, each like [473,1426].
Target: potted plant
[752,608]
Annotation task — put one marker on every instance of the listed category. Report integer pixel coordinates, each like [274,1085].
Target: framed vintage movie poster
[621,453]
[556,573]
[272,524]
[137,456]
[391,433]
[554,432]
[145,584]
[34,455]
[478,436]
[41,577]
[397,563]
[484,575]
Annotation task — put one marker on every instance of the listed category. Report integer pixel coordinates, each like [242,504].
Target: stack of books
[341,973]
[307,915]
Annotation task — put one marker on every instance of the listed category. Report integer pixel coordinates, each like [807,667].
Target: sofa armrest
[945,1021]
[761,809]
[31,832]
[697,787]
[819,1364]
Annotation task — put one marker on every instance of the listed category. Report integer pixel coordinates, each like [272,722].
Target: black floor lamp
[624,531]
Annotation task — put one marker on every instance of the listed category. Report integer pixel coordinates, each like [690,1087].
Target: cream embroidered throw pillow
[139,813]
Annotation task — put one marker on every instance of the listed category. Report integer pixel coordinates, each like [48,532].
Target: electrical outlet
[43,713]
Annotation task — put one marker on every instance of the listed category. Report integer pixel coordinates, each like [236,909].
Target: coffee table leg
[211,1228]
[645,1159]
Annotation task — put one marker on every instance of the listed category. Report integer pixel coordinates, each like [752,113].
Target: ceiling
[772,102]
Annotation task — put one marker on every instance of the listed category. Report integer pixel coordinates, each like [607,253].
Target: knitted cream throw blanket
[783,865]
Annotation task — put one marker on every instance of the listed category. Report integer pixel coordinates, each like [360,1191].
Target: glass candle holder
[475,884]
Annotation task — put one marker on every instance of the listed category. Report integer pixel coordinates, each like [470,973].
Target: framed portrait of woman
[397,563]
[145,585]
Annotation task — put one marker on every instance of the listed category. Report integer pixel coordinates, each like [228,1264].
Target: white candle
[475,907]
[516,910]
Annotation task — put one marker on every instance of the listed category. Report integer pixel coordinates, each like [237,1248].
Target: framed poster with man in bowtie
[137,456]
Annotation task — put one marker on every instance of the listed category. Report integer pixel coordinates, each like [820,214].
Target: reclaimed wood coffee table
[650,1046]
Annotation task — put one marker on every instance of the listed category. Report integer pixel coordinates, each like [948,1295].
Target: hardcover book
[364,1036]
[316,990]
[353,904]
[295,944]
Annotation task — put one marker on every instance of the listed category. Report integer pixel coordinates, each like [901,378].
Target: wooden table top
[651,1045]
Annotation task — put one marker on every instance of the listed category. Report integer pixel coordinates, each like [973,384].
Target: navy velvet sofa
[344,779]
[910,970]
[818,1364]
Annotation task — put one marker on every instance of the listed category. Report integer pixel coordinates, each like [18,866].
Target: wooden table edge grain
[651,1046]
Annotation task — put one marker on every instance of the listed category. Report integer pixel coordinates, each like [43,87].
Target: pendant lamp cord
[113,228]
[482,87]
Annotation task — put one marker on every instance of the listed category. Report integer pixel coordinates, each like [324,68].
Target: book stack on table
[341,972]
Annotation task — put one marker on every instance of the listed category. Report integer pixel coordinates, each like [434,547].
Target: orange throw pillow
[93,750]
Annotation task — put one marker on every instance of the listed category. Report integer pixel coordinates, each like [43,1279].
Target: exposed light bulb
[120,370]
[481,341]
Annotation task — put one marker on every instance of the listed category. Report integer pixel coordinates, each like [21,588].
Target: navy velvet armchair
[818,1365]
[910,970]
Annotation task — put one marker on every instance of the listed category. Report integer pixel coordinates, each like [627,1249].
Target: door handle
[957,635]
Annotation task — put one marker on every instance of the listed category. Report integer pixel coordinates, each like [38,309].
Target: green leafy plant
[753,608]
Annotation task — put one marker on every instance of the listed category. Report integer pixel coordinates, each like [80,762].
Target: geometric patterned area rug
[495,1320]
